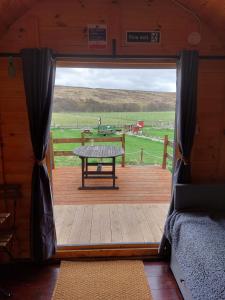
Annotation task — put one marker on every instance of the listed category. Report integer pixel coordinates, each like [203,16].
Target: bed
[196,231]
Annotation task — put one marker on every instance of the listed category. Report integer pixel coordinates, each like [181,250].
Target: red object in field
[135,129]
[140,124]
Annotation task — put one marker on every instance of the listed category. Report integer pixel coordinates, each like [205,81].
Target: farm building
[38,35]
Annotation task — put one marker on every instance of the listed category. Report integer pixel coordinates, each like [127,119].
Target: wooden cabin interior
[62,26]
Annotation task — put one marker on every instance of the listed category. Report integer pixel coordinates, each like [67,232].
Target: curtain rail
[91,56]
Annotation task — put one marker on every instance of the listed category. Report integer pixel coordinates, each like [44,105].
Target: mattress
[198,242]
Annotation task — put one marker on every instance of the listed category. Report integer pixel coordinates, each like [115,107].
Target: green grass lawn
[152,150]
[158,133]
[83,119]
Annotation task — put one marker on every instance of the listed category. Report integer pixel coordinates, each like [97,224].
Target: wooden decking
[133,214]
[113,223]
[137,184]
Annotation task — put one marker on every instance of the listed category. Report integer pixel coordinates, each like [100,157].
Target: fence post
[165,152]
[142,154]
[123,146]
[51,150]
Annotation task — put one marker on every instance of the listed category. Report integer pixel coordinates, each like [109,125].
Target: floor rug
[102,280]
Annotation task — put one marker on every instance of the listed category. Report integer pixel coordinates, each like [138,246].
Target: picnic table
[87,152]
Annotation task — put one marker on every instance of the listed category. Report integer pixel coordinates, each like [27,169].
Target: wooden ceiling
[11,10]
[211,12]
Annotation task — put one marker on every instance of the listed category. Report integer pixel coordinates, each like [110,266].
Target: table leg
[85,175]
[114,171]
[82,170]
[86,167]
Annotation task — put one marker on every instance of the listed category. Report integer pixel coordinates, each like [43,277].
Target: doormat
[102,280]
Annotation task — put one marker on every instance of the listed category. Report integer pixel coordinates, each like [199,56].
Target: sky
[160,80]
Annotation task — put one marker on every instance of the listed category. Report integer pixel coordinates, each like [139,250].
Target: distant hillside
[74,99]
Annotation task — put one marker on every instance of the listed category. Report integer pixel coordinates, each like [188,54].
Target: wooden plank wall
[208,157]
[62,25]
[17,151]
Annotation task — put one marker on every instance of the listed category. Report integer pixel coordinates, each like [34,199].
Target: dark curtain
[186,107]
[39,77]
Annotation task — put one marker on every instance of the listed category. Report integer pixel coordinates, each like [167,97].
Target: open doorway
[133,109]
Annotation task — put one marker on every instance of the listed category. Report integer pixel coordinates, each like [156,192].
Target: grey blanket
[199,244]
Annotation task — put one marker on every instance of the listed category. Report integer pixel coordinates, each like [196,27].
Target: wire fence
[79,124]
[145,155]
[139,157]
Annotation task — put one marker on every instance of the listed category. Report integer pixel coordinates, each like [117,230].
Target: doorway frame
[123,250]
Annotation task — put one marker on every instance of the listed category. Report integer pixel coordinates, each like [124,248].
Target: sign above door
[97,36]
[143,37]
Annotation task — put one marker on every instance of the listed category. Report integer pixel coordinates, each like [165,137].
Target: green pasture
[152,150]
[84,119]
[158,133]
[69,125]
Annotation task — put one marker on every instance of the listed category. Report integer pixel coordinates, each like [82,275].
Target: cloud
[130,79]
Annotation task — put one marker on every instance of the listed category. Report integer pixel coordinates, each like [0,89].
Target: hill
[77,99]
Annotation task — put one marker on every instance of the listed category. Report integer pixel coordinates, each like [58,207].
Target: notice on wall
[97,36]
[143,37]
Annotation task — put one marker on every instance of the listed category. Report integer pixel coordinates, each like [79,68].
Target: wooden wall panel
[210,11]
[209,148]
[22,34]
[62,25]
[1,154]
[17,151]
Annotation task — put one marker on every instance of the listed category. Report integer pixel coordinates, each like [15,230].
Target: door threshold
[140,251]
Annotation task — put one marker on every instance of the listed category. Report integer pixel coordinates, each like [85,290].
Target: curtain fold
[39,77]
[186,108]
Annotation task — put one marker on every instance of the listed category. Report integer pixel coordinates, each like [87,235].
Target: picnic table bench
[87,152]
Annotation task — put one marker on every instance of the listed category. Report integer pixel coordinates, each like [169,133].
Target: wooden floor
[137,184]
[113,223]
[133,214]
[37,282]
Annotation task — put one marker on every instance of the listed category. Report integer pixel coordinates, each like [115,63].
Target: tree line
[89,105]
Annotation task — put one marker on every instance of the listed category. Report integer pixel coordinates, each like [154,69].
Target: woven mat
[102,280]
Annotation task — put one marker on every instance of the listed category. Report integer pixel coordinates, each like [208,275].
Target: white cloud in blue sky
[162,80]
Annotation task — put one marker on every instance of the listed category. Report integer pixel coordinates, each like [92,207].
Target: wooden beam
[63,153]
[110,246]
[103,252]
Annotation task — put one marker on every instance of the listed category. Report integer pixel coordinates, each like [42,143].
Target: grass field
[158,133]
[152,149]
[80,120]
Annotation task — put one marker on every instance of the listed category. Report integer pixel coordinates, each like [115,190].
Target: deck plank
[133,214]
[96,225]
[106,235]
[143,224]
[137,184]
[85,234]
[130,225]
[113,223]
[75,232]
[153,223]
[66,223]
